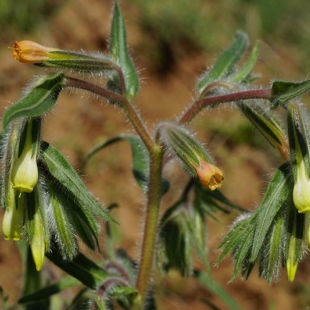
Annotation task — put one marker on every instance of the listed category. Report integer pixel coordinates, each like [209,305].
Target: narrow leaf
[119,51]
[40,100]
[81,268]
[226,62]
[197,231]
[67,176]
[243,74]
[217,290]
[61,285]
[282,92]
[275,197]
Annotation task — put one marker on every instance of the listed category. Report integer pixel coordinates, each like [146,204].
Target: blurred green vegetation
[22,16]
[177,26]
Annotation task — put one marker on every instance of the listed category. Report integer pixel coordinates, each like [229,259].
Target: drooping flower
[209,175]
[25,170]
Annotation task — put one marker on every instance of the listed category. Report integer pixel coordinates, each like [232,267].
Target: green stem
[151,222]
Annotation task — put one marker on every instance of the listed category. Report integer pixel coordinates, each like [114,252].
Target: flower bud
[209,175]
[38,242]
[291,268]
[25,170]
[30,52]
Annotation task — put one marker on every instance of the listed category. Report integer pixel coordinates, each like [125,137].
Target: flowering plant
[47,205]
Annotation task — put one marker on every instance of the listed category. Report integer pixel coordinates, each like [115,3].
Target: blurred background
[172,43]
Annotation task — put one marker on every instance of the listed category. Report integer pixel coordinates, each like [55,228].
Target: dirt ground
[80,121]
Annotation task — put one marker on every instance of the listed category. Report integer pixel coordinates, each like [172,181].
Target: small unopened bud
[30,52]
[38,244]
[291,268]
[209,175]
[25,170]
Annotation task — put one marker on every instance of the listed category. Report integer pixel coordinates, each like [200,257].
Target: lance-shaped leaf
[282,92]
[195,221]
[119,51]
[81,268]
[216,289]
[244,73]
[62,171]
[46,292]
[140,159]
[239,241]
[266,123]
[226,62]
[272,254]
[277,193]
[175,238]
[211,201]
[40,100]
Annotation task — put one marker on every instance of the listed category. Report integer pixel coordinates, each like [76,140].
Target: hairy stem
[151,222]
[126,106]
[200,104]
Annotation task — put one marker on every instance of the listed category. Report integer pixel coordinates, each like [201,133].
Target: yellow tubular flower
[13,217]
[209,175]
[25,170]
[301,191]
[30,52]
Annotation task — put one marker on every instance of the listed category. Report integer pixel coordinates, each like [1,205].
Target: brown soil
[80,121]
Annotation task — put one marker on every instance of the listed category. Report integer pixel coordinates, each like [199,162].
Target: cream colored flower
[24,174]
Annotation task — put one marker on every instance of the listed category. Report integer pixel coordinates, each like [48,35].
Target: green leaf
[282,92]
[176,242]
[81,268]
[217,289]
[196,226]
[64,230]
[277,193]
[243,74]
[140,159]
[226,62]
[66,175]
[123,291]
[40,100]
[271,259]
[64,283]
[264,121]
[119,51]
[209,200]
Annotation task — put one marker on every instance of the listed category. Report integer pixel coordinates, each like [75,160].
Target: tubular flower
[209,175]
[30,52]
[13,217]
[25,170]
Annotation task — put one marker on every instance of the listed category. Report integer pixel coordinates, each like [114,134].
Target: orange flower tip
[209,175]
[30,52]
